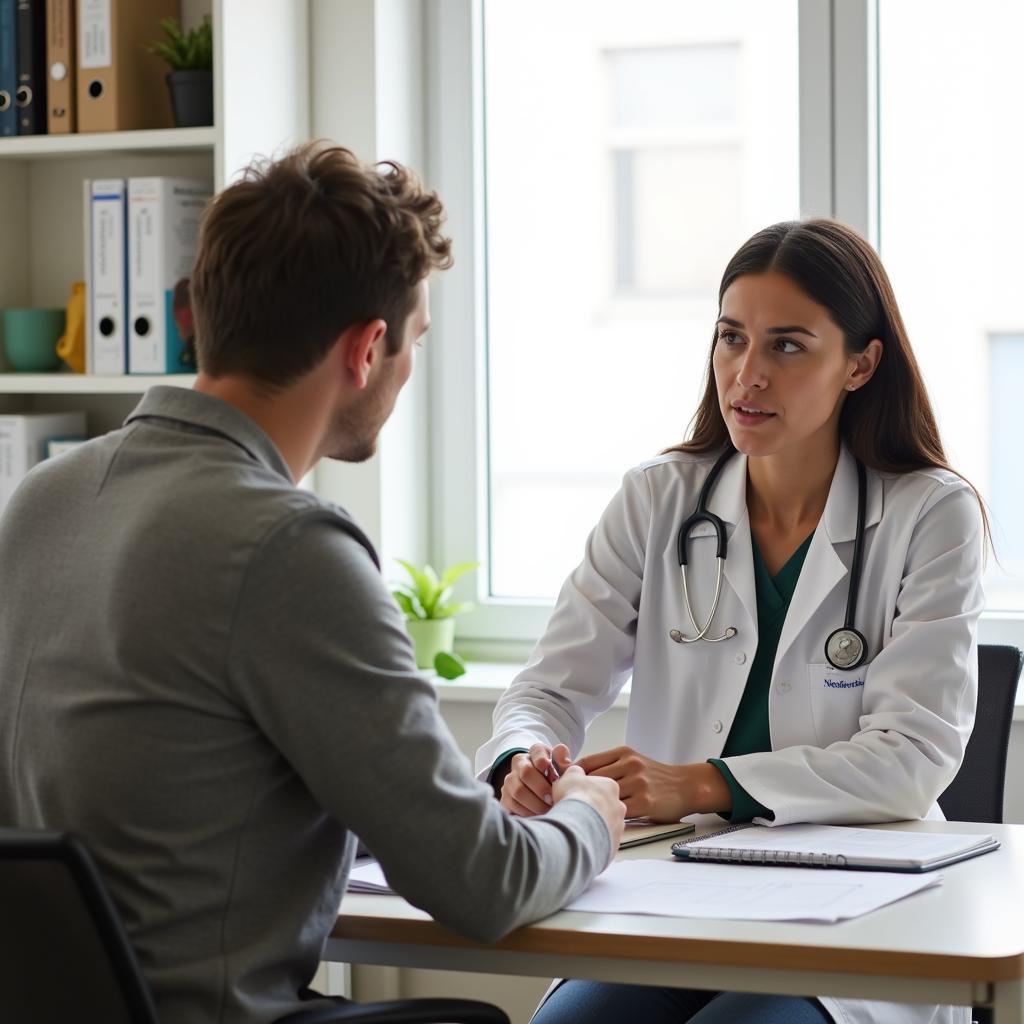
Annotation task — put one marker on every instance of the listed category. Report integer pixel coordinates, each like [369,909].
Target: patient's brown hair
[302,248]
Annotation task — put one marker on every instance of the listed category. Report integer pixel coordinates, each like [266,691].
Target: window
[951,216]
[668,128]
[601,161]
[629,150]
[1006,488]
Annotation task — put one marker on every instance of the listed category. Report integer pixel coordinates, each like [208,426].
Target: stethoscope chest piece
[845,648]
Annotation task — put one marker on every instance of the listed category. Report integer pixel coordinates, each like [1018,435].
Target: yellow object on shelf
[71,344]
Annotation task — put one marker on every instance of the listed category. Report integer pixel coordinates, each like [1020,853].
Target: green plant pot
[429,638]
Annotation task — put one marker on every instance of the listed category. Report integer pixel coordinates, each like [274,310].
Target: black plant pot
[191,97]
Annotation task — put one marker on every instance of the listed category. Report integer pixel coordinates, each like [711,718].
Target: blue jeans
[599,1002]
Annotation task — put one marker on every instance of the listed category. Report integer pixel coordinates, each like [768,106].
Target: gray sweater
[202,674]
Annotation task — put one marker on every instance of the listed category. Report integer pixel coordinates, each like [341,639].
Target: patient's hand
[601,794]
[526,790]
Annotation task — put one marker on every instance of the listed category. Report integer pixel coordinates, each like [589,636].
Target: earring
[851,387]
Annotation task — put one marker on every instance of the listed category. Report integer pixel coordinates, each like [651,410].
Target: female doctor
[805,689]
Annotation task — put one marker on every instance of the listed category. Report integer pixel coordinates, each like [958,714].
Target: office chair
[66,955]
[976,794]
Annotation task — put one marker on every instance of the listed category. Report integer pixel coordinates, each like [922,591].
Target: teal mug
[30,339]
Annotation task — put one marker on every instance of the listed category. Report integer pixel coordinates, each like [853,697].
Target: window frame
[839,164]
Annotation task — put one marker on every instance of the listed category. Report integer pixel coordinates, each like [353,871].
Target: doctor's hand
[527,787]
[661,792]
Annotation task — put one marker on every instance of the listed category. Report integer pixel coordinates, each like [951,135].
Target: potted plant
[429,614]
[190,57]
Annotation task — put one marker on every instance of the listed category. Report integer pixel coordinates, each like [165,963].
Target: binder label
[95,36]
[106,276]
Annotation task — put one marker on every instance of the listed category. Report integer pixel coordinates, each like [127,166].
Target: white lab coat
[880,748]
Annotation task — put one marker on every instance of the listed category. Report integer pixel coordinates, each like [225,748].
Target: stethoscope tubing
[845,639]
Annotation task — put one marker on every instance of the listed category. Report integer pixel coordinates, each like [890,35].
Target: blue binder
[8,68]
[31,64]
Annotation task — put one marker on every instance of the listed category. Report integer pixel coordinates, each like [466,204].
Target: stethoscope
[845,647]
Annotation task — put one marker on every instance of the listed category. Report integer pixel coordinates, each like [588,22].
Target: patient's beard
[356,428]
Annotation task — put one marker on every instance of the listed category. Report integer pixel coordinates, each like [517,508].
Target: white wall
[366,94]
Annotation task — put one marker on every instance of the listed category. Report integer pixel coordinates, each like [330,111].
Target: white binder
[163,229]
[105,277]
[23,440]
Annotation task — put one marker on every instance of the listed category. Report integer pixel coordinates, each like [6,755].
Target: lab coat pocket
[837,698]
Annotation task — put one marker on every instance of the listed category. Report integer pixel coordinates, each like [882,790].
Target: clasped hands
[648,788]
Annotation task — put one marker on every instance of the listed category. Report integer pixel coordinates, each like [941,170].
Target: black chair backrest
[65,954]
[976,794]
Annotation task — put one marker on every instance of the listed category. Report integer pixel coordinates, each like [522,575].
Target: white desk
[960,943]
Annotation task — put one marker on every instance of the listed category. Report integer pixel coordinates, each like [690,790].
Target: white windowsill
[485,681]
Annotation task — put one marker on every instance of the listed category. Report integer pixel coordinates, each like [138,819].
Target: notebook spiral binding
[714,835]
[790,858]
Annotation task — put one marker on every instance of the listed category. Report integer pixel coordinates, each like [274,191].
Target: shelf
[87,384]
[159,140]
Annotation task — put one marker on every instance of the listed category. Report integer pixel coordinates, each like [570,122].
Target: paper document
[367,876]
[743,892]
[640,830]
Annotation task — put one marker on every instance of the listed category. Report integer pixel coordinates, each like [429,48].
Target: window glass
[630,149]
[951,217]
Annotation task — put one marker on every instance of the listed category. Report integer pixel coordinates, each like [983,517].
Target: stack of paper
[367,876]
[743,892]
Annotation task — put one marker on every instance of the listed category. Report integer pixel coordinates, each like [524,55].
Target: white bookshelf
[81,144]
[261,105]
[87,384]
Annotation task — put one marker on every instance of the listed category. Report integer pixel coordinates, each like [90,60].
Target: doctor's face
[781,367]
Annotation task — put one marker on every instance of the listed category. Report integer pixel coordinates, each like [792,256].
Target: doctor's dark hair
[303,247]
[888,423]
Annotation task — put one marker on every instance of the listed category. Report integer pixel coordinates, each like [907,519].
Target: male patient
[201,671]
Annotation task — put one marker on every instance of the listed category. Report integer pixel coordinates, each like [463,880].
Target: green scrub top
[750,732]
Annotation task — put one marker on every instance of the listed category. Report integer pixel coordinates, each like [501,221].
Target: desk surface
[959,937]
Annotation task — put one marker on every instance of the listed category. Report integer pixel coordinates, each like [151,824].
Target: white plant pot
[429,638]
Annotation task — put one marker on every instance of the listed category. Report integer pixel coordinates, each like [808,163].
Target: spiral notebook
[834,846]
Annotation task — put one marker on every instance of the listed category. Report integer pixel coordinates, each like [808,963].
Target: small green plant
[428,596]
[448,665]
[186,51]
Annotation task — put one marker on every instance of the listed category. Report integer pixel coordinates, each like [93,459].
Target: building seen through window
[630,149]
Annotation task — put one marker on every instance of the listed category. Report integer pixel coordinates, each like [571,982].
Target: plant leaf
[185,51]
[446,611]
[449,666]
[431,594]
[454,572]
[423,586]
